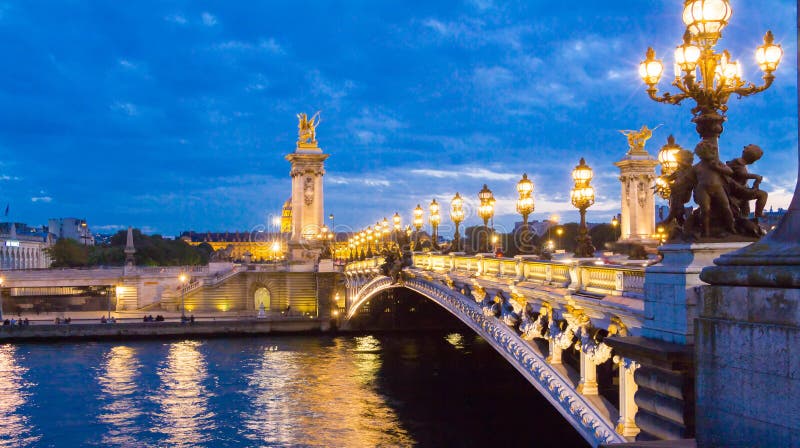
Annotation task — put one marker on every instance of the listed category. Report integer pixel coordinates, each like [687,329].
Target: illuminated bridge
[548,319]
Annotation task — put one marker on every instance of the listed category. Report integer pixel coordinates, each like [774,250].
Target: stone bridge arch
[591,423]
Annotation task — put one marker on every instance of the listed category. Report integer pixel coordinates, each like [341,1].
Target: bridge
[533,312]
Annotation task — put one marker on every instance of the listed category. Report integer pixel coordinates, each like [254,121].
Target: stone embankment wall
[161,329]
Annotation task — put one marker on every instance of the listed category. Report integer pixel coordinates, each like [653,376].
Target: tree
[602,234]
[68,253]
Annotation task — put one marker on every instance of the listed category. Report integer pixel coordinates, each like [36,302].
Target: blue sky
[177,115]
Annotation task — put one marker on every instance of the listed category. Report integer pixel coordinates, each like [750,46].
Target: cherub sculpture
[710,193]
[681,184]
[741,194]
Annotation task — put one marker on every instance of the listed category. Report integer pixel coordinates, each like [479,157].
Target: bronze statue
[710,191]
[742,194]
[682,182]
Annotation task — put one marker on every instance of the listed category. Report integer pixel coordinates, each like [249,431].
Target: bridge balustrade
[594,279]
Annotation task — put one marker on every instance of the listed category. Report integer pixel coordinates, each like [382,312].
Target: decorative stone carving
[591,422]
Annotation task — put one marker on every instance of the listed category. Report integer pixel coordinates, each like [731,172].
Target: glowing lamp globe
[706,18]
[769,55]
[651,68]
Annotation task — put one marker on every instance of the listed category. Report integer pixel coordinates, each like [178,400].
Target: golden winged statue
[307,129]
[637,139]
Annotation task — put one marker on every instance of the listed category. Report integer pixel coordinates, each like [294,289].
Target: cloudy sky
[177,115]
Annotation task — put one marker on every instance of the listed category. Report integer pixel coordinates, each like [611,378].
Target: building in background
[73,228]
[257,246]
[24,247]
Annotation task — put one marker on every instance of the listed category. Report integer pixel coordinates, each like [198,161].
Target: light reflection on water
[183,399]
[15,429]
[118,381]
[325,397]
[312,391]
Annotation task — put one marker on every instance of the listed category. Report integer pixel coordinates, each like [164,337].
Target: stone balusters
[626,425]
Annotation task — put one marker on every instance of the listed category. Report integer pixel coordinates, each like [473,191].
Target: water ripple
[15,427]
[184,417]
[118,381]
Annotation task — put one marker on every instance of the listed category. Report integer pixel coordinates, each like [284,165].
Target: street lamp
[457,216]
[434,219]
[525,207]
[2,280]
[486,212]
[582,198]
[559,232]
[183,279]
[708,77]
[418,222]
[669,157]
[369,242]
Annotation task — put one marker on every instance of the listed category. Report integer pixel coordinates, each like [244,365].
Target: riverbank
[145,330]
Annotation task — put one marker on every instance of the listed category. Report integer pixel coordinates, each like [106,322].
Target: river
[433,389]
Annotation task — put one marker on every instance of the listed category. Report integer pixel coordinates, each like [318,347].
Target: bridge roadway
[512,302]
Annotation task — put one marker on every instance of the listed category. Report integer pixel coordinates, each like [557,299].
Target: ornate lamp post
[525,207]
[1,297]
[559,232]
[370,254]
[708,77]
[457,216]
[418,222]
[669,157]
[434,219]
[183,278]
[486,212]
[583,198]
[386,232]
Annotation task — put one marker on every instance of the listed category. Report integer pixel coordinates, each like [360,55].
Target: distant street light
[457,216]
[434,219]
[525,207]
[582,198]
[486,212]
[183,279]
[419,220]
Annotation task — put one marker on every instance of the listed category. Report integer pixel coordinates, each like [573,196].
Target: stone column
[626,425]
[554,356]
[588,383]
[637,175]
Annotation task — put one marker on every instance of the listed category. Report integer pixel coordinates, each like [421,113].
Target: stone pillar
[670,289]
[626,425]
[588,383]
[637,175]
[554,357]
[307,197]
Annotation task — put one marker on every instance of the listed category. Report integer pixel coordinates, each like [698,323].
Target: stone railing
[578,276]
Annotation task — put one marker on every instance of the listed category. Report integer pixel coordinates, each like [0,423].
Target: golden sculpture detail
[637,139]
[307,129]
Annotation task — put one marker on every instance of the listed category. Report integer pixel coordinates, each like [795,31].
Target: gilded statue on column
[637,139]
[307,129]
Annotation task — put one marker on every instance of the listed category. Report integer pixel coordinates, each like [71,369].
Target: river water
[432,389]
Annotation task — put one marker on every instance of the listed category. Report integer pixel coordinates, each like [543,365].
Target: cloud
[126,108]
[472,172]
[373,126]
[357,180]
[7,177]
[176,18]
[472,32]
[208,19]
[269,45]
[45,199]
[333,90]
